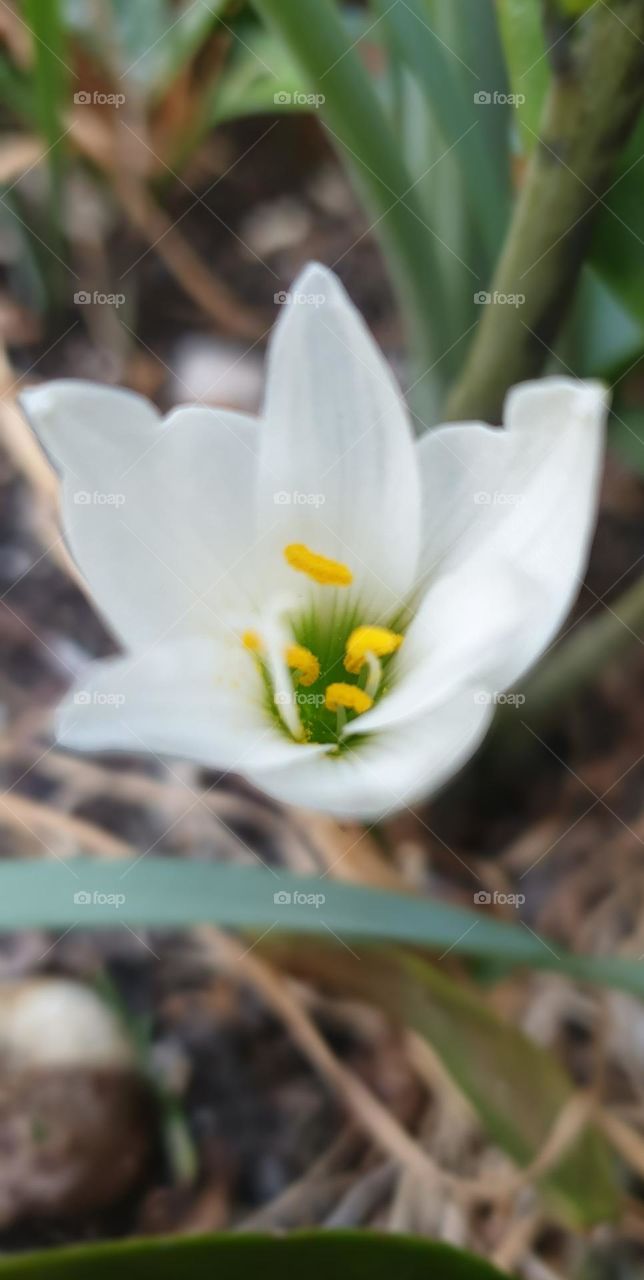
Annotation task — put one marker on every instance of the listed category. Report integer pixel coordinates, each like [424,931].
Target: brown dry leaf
[18,153]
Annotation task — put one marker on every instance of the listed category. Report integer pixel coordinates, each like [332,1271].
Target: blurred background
[473,173]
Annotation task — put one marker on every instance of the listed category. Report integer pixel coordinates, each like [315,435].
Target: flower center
[320,667]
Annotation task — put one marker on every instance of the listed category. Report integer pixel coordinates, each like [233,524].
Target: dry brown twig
[98,142]
[18,811]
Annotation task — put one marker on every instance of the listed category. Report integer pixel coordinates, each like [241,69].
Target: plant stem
[319,43]
[596,94]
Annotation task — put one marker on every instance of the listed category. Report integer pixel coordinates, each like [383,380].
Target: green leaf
[30,271]
[17,92]
[618,241]
[155,892]
[51,74]
[158,892]
[516,1087]
[604,337]
[450,92]
[520,22]
[440,185]
[627,436]
[259,77]
[576,7]
[50,69]
[467,31]
[321,46]
[345,1255]
[472,31]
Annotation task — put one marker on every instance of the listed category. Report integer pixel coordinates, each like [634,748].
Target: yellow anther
[330,573]
[349,696]
[377,640]
[304,663]
[252,641]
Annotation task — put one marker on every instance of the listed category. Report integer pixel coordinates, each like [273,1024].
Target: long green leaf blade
[346,1255]
[321,47]
[51,75]
[454,106]
[521,26]
[156,892]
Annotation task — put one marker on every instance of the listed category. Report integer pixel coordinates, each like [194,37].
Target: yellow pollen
[252,640]
[330,573]
[349,696]
[304,663]
[377,640]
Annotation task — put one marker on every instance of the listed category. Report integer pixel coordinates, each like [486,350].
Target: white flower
[315,600]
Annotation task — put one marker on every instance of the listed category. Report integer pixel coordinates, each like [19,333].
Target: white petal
[195,699]
[159,514]
[526,494]
[338,466]
[468,629]
[386,771]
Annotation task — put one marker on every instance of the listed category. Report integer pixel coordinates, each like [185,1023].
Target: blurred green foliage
[462,85]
